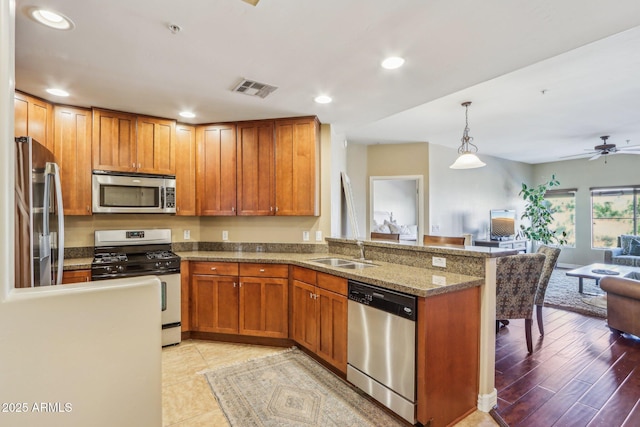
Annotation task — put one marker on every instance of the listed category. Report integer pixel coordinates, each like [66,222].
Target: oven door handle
[164,295]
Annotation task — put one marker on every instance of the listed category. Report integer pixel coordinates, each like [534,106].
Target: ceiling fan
[605,149]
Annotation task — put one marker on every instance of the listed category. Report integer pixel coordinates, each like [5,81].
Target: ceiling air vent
[249,87]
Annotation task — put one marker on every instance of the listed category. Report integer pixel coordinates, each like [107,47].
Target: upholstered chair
[517,278]
[623,303]
[550,262]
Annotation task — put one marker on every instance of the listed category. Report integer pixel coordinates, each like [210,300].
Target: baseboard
[486,402]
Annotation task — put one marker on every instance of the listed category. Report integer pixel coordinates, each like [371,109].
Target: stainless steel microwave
[115,192]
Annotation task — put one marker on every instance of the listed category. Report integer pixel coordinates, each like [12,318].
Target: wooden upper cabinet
[124,142]
[256,168]
[156,151]
[297,165]
[34,118]
[185,170]
[72,149]
[216,169]
[114,141]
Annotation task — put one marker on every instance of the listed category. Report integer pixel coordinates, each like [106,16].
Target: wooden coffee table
[587,272]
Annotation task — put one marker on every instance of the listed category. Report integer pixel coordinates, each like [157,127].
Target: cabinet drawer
[332,283]
[264,270]
[215,268]
[304,275]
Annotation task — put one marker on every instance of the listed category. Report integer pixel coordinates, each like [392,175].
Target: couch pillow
[625,242]
[395,228]
[634,247]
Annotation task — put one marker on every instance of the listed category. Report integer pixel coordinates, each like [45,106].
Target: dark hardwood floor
[579,374]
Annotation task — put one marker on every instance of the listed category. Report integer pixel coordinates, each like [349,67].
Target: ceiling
[546,78]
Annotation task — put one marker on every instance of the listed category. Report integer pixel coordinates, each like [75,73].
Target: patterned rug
[562,293]
[291,389]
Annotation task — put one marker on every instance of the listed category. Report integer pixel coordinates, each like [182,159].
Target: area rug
[291,389]
[562,293]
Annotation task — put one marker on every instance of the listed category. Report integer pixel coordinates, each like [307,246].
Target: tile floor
[187,400]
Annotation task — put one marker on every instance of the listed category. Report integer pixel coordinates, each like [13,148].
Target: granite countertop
[411,280]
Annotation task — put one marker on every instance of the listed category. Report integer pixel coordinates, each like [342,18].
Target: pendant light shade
[467,158]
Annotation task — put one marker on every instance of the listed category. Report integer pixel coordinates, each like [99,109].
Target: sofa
[623,303]
[627,252]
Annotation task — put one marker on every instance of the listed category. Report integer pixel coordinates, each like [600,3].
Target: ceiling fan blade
[577,156]
[251,2]
[597,156]
[629,148]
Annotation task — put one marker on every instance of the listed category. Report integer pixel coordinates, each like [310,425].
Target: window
[563,205]
[614,211]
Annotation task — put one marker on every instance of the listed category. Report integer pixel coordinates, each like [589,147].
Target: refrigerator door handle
[53,170]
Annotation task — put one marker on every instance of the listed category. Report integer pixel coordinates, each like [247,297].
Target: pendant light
[467,158]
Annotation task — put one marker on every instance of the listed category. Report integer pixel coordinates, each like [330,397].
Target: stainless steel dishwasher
[381,345]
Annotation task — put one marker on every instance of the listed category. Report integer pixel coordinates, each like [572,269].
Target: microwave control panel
[170,197]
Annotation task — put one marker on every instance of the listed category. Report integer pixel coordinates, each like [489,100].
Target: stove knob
[107,268]
[121,268]
[158,264]
[168,263]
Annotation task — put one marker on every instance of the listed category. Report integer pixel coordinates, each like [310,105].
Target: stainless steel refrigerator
[39,223]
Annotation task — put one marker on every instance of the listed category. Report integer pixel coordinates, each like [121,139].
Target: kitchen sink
[343,263]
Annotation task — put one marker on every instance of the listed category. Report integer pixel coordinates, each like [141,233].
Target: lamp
[467,158]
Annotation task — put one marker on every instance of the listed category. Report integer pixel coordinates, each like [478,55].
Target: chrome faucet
[361,246]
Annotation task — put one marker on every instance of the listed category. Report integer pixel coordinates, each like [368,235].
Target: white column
[487,393]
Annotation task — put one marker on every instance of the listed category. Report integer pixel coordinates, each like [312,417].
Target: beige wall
[395,160]
[79,230]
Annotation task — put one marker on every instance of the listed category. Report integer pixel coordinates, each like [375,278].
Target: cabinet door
[332,328]
[297,153]
[256,168]
[215,304]
[304,323]
[72,150]
[114,141]
[216,170]
[264,306]
[185,170]
[76,276]
[156,151]
[34,118]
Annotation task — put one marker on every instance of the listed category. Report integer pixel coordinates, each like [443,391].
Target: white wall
[338,165]
[460,200]
[357,171]
[620,170]
[93,346]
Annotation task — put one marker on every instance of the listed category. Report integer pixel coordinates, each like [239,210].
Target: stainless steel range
[130,253]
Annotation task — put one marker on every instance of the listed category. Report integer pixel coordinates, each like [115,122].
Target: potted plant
[538,212]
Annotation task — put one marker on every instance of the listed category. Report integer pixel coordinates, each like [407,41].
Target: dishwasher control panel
[393,302]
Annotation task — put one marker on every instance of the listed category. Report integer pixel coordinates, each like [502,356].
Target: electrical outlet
[225,235]
[305,236]
[437,261]
[187,234]
[319,236]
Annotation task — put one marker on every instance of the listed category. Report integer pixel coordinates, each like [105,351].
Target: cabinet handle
[270,208]
[133,165]
[88,209]
[310,295]
[234,284]
[214,268]
[276,209]
[139,164]
[262,270]
[240,284]
[233,209]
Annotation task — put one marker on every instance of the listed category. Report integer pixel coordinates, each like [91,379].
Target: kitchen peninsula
[452,374]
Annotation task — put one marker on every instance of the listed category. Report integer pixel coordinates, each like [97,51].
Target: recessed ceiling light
[187,114]
[57,92]
[392,63]
[323,99]
[51,19]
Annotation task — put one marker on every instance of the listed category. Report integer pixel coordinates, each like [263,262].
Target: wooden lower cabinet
[224,300]
[215,303]
[448,334]
[76,276]
[319,315]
